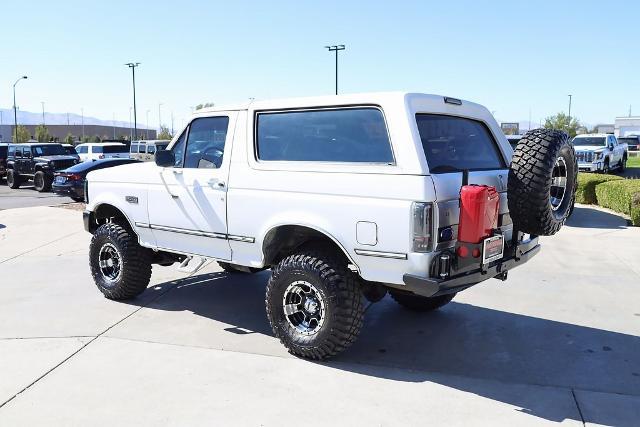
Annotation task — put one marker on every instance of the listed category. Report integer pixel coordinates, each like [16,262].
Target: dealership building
[625,126]
[60,132]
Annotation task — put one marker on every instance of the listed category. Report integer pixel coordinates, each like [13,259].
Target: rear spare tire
[542,182]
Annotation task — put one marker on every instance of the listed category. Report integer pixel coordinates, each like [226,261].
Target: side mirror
[165,158]
[610,147]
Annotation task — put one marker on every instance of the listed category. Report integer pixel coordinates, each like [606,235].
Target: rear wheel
[542,182]
[42,182]
[623,164]
[120,267]
[13,179]
[314,304]
[419,303]
[605,167]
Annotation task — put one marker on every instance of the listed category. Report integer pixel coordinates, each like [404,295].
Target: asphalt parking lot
[26,196]
[557,343]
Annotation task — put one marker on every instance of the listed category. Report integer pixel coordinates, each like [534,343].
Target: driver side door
[188,206]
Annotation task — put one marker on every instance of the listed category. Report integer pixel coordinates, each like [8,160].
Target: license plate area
[492,248]
[60,180]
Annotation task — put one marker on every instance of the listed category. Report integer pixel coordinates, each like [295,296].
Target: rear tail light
[422,217]
[74,177]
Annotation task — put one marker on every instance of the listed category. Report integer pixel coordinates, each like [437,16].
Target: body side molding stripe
[380,254]
[196,232]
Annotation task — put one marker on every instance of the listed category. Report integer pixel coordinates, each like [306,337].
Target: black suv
[38,162]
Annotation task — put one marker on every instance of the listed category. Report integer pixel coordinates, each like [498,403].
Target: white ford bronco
[345,198]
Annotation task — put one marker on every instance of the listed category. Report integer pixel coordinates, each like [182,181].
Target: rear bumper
[68,190]
[431,286]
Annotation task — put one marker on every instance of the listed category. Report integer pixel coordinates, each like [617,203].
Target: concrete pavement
[557,343]
[26,196]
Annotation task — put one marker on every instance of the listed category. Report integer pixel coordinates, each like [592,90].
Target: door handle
[177,171]
[216,182]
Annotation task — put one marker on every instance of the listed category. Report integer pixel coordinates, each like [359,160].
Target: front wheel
[314,305]
[120,267]
[419,303]
[623,164]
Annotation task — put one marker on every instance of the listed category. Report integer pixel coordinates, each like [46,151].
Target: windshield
[453,144]
[70,151]
[589,140]
[48,150]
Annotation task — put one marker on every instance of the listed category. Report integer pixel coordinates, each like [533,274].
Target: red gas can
[479,207]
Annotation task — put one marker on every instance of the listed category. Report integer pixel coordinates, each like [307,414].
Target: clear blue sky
[510,56]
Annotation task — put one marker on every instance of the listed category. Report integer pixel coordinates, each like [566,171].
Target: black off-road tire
[606,167]
[42,182]
[531,182]
[135,266]
[339,289]
[419,303]
[232,268]
[13,179]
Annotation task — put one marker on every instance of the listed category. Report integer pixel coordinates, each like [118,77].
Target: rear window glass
[454,143]
[142,148]
[346,135]
[134,148]
[111,149]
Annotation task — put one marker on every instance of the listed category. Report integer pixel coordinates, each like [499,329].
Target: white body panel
[230,222]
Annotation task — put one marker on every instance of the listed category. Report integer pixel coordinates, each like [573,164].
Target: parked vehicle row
[145,149]
[50,165]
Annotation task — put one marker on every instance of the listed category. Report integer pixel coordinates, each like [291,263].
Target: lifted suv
[343,198]
[36,162]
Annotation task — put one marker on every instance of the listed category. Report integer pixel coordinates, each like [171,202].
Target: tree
[86,138]
[95,138]
[205,105]
[42,133]
[561,122]
[164,133]
[69,139]
[23,134]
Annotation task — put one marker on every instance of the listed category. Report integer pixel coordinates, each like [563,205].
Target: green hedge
[621,196]
[587,182]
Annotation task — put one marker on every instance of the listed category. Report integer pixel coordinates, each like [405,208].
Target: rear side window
[134,148]
[454,143]
[96,148]
[111,149]
[142,148]
[356,135]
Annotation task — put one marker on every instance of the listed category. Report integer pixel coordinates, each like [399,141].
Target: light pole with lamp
[336,49]
[133,66]
[15,109]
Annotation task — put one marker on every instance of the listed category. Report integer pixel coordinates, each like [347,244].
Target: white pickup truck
[344,198]
[600,152]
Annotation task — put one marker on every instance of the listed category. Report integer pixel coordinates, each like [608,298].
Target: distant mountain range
[28,118]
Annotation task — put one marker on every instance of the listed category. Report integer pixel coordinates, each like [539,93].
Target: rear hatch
[455,147]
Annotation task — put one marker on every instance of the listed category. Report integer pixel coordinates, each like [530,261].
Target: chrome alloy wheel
[110,262]
[558,183]
[304,307]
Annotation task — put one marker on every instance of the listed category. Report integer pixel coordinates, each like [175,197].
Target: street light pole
[336,49]
[146,131]
[15,110]
[133,66]
[82,118]
[130,128]
[43,122]
[159,117]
